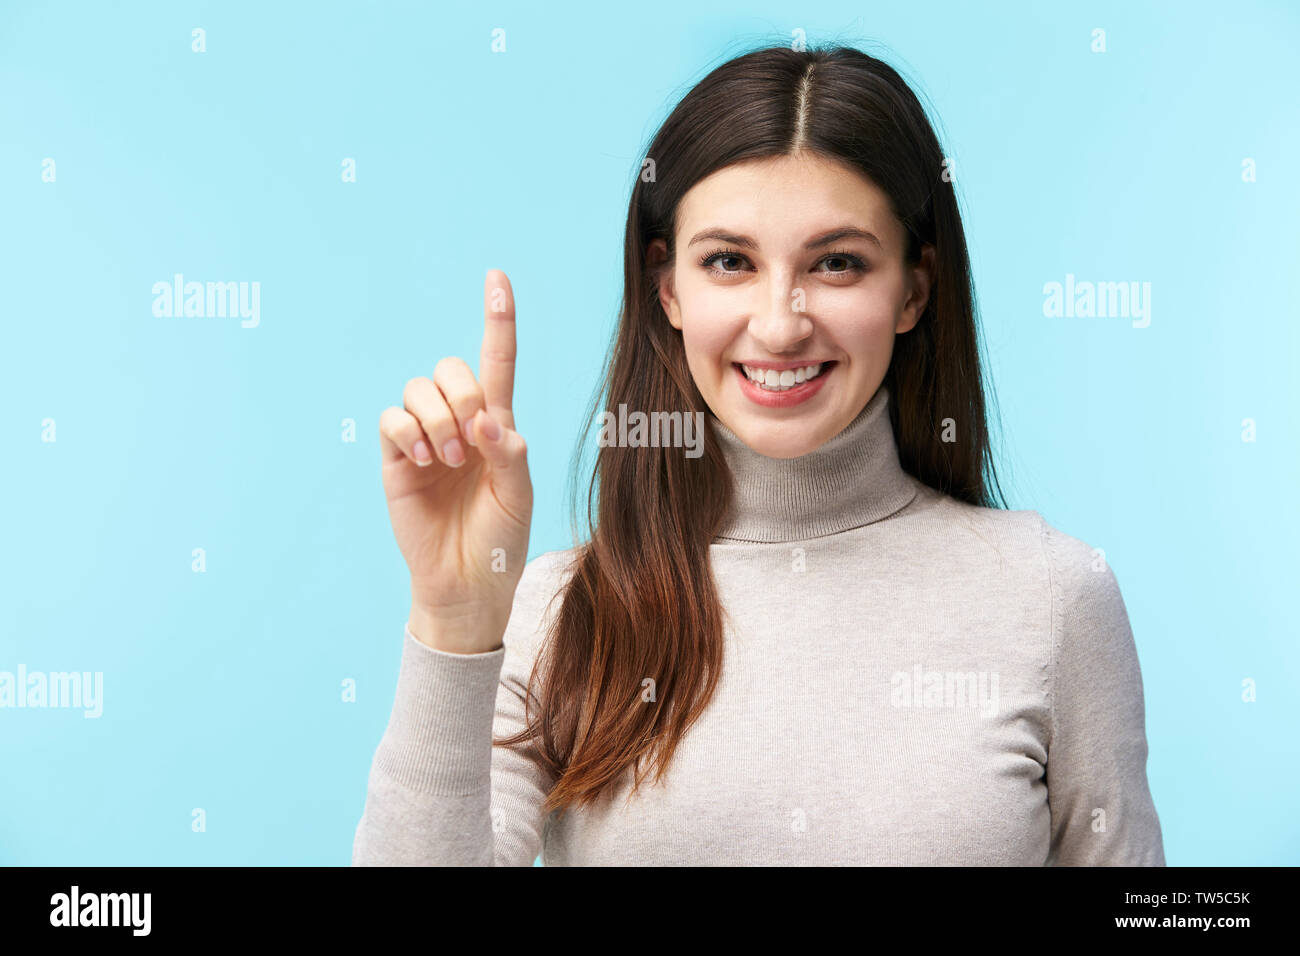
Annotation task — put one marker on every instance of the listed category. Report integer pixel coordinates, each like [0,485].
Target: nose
[784,324]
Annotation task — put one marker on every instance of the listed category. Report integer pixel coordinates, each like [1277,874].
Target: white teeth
[780,381]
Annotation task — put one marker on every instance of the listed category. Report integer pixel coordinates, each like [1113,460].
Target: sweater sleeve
[439,793]
[1102,813]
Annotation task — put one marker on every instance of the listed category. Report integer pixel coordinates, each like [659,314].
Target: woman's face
[769,276]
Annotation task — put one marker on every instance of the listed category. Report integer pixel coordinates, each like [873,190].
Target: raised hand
[460,499]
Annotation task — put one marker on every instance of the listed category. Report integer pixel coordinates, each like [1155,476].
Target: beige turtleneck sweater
[907,680]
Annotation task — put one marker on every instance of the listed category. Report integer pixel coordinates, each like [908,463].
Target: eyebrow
[825,239]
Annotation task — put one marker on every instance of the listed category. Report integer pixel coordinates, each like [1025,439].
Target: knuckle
[408,430]
[437,423]
[413,388]
[449,365]
[465,396]
[466,404]
[399,425]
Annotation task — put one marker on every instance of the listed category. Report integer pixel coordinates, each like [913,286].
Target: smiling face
[791,270]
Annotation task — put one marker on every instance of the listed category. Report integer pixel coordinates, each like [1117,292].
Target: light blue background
[222,689]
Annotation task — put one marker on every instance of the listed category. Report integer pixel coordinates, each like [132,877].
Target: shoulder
[1074,565]
[1069,574]
[999,541]
[1080,582]
[1094,654]
[1069,587]
[544,575]
[1085,590]
[1095,677]
[535,601]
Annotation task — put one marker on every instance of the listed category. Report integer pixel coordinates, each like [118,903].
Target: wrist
[454,631]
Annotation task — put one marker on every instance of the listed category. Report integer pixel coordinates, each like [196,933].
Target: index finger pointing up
[497,358]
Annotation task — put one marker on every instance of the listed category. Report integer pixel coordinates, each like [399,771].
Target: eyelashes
[856,264]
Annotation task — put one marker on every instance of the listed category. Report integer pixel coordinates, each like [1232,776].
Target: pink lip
[793,396]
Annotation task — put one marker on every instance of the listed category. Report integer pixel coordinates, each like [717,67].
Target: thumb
[506,453]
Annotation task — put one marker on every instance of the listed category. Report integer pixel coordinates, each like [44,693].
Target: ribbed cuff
[439,735]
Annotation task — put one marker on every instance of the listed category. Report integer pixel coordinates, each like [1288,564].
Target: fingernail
[453,453]
[422,454]
[468,430]
[490,428]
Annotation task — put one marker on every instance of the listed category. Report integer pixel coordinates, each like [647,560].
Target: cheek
[861,318]
[705,343]
[709,324]
[702,302]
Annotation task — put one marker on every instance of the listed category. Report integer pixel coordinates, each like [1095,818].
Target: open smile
[781,388]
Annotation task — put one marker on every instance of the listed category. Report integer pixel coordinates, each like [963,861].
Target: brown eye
[710,261]
[843,263]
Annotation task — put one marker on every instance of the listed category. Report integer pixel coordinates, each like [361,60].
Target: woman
[819,642]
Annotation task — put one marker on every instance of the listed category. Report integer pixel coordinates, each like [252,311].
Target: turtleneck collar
[852,480]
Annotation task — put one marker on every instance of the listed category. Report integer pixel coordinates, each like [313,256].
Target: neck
[852,480]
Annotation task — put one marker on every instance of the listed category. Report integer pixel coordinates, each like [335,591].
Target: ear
[656,258]
[922,279]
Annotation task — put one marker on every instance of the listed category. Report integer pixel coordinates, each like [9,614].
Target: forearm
[429,791]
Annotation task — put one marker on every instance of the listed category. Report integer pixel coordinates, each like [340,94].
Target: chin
[789,439]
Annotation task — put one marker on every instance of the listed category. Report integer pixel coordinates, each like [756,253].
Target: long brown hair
[641,602]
